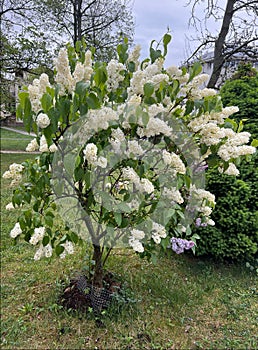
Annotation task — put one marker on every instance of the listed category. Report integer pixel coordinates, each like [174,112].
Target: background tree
[103,24]
[29,38]
[235,234]
[237,34]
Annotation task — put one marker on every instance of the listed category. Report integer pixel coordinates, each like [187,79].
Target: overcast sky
[152,18]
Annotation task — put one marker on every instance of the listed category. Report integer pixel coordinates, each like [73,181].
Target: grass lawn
[180,303]
[13,141]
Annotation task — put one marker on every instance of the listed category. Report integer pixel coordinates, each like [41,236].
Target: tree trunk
[219,44]
[98,272]
[77,20]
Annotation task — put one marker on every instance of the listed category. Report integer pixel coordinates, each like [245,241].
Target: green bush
[235,234]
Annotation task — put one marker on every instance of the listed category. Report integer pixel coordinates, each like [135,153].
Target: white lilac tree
[123,150]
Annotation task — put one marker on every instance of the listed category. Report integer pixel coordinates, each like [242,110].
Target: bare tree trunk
[77,20]
[98,272]
[219,44]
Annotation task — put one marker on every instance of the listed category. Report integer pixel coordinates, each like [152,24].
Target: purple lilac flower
[198,222]
[201,168]
[179,245]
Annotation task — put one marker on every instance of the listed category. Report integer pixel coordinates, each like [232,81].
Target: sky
[153,17]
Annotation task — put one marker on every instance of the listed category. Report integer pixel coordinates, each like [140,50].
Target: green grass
[180,303]
[13,141]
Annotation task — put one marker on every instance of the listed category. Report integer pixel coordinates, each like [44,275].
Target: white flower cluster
[88,70]
[114,69]
[47,251]
[42,120]
[150,74]
[155,126]
[134,204]
[68,249]
[174,161]
[99,119]
[235,145]
[42,146]
[90,155]
[9,206]
[117,137]
[158,232]
[83,71]
[36,91]
[231,170]
[42,251]
[173,195]
[142,185]
[145,186]
[32,146]
[65,78]
[134,56]
[195,88]
[203,200]
[16,231]
[14,173]
[174,71]
[63,73]
[134,240]
[38,235]
[217,118]
[211,134]
[134,149]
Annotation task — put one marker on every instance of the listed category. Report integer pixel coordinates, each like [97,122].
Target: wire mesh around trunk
[100,297]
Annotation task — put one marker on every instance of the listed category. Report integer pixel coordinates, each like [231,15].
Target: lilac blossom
[198,223]
[179,244]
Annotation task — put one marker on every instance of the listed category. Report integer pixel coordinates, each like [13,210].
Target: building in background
[230,66]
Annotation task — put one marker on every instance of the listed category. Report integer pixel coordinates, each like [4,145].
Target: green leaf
[45,240]
[19,112]
[118,218]
[59,249]
[93,101]
[194,70]
[122,52]
[74,237]
[64,106]
[27,117]
[231,123]
[145,118]
[188,181]
[166,40]
[189,107]
[100,76]
[22,97]
[81,88]
[123,207]
[154,54]
[148,89]
[46,102]
[78,174]
[254,143]
[125,222]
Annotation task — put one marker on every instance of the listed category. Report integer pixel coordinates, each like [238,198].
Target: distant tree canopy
[235,234]
[32,30]
[26,28]
[102,23]
[242,91]
[236,35]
